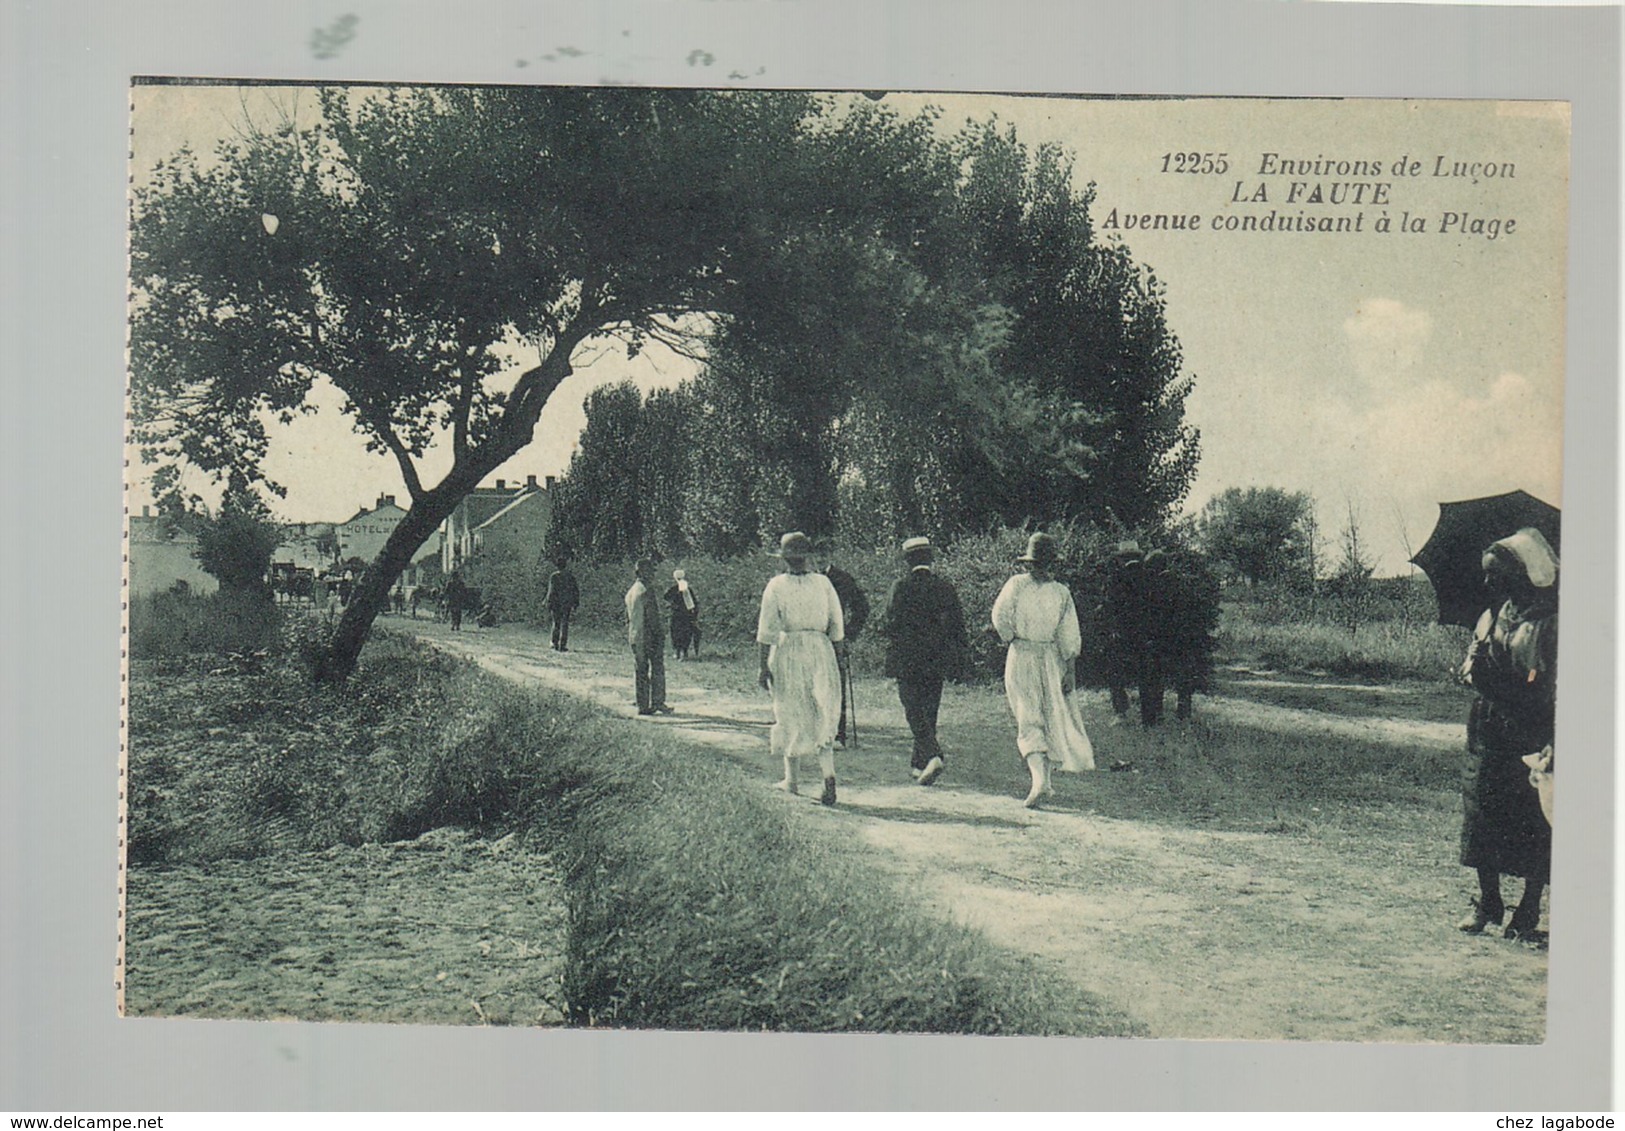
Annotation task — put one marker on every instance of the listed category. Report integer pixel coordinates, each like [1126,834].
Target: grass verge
[696,901]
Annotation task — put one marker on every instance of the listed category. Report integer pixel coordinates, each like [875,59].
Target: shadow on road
[929,817]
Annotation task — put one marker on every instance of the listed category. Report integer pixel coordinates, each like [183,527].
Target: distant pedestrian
[648,639]
[417,596]
[924,627]
[563,597]
[455,597]
[798,632]
[1187,592]
[1512,665]
[1133,655]
[1035,615]
[855,612]
[685,615]
[398,600]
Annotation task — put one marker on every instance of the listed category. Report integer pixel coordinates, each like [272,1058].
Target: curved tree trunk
[371,596]
[337,661]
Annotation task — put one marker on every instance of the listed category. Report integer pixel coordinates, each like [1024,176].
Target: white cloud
[1386,339]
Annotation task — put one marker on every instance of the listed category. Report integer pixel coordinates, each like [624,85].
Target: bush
[510,588]
[177,623]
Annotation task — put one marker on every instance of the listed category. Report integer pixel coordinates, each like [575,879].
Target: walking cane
[851,704]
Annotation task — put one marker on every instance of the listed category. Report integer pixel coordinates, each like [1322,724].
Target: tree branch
[677,340]
[459,420]
[379,423]
[530,392]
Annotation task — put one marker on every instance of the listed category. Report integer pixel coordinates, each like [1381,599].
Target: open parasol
[1452,556]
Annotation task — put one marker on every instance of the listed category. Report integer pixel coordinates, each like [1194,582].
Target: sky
[1382,372]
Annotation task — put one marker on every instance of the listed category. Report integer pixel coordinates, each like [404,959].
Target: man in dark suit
[456,598]
[855,614]
[924,629]
[1130,614]
[563,595]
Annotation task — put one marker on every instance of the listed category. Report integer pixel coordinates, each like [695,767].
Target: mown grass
[699,903]
[696,900]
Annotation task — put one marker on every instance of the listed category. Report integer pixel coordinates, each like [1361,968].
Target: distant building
[517,531]
[480,506]
[162,554]
[365,533]
[506,552]
[307,545]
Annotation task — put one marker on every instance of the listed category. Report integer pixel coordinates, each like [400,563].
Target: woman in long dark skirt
[685,616]
[1512,665]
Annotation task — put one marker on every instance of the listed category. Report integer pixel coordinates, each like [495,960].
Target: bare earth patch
[445,929]
[1331,928]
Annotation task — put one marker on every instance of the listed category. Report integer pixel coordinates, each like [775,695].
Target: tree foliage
[389,247]
[1260,534]
[235,545]
[914,328]
[977,357]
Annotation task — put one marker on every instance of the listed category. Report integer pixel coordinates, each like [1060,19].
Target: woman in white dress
[798,631]
[1035,615]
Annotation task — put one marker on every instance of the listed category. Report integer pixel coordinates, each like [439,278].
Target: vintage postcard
[869,561]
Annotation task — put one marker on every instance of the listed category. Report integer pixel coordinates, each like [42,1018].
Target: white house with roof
[307,545]
[162,554]
[363,535]
[459,541]
[517,531]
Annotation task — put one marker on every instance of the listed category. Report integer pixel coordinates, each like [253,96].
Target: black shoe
[828,796]
[1478,918]
[645,710]
[664,709]
[1524,927]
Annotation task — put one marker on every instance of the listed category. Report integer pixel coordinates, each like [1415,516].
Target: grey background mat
[66,71]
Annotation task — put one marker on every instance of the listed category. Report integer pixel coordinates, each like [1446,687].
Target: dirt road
[1327,931]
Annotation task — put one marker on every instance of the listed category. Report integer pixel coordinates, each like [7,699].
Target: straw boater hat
[793,545]
[1041,550]
[914,545]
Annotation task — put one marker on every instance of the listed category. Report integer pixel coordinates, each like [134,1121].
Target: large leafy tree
[1094,408]
[990,361]
[391,245]
[235,545]
[1260,534]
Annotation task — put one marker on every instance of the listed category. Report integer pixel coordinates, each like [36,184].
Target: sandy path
[1197,933]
